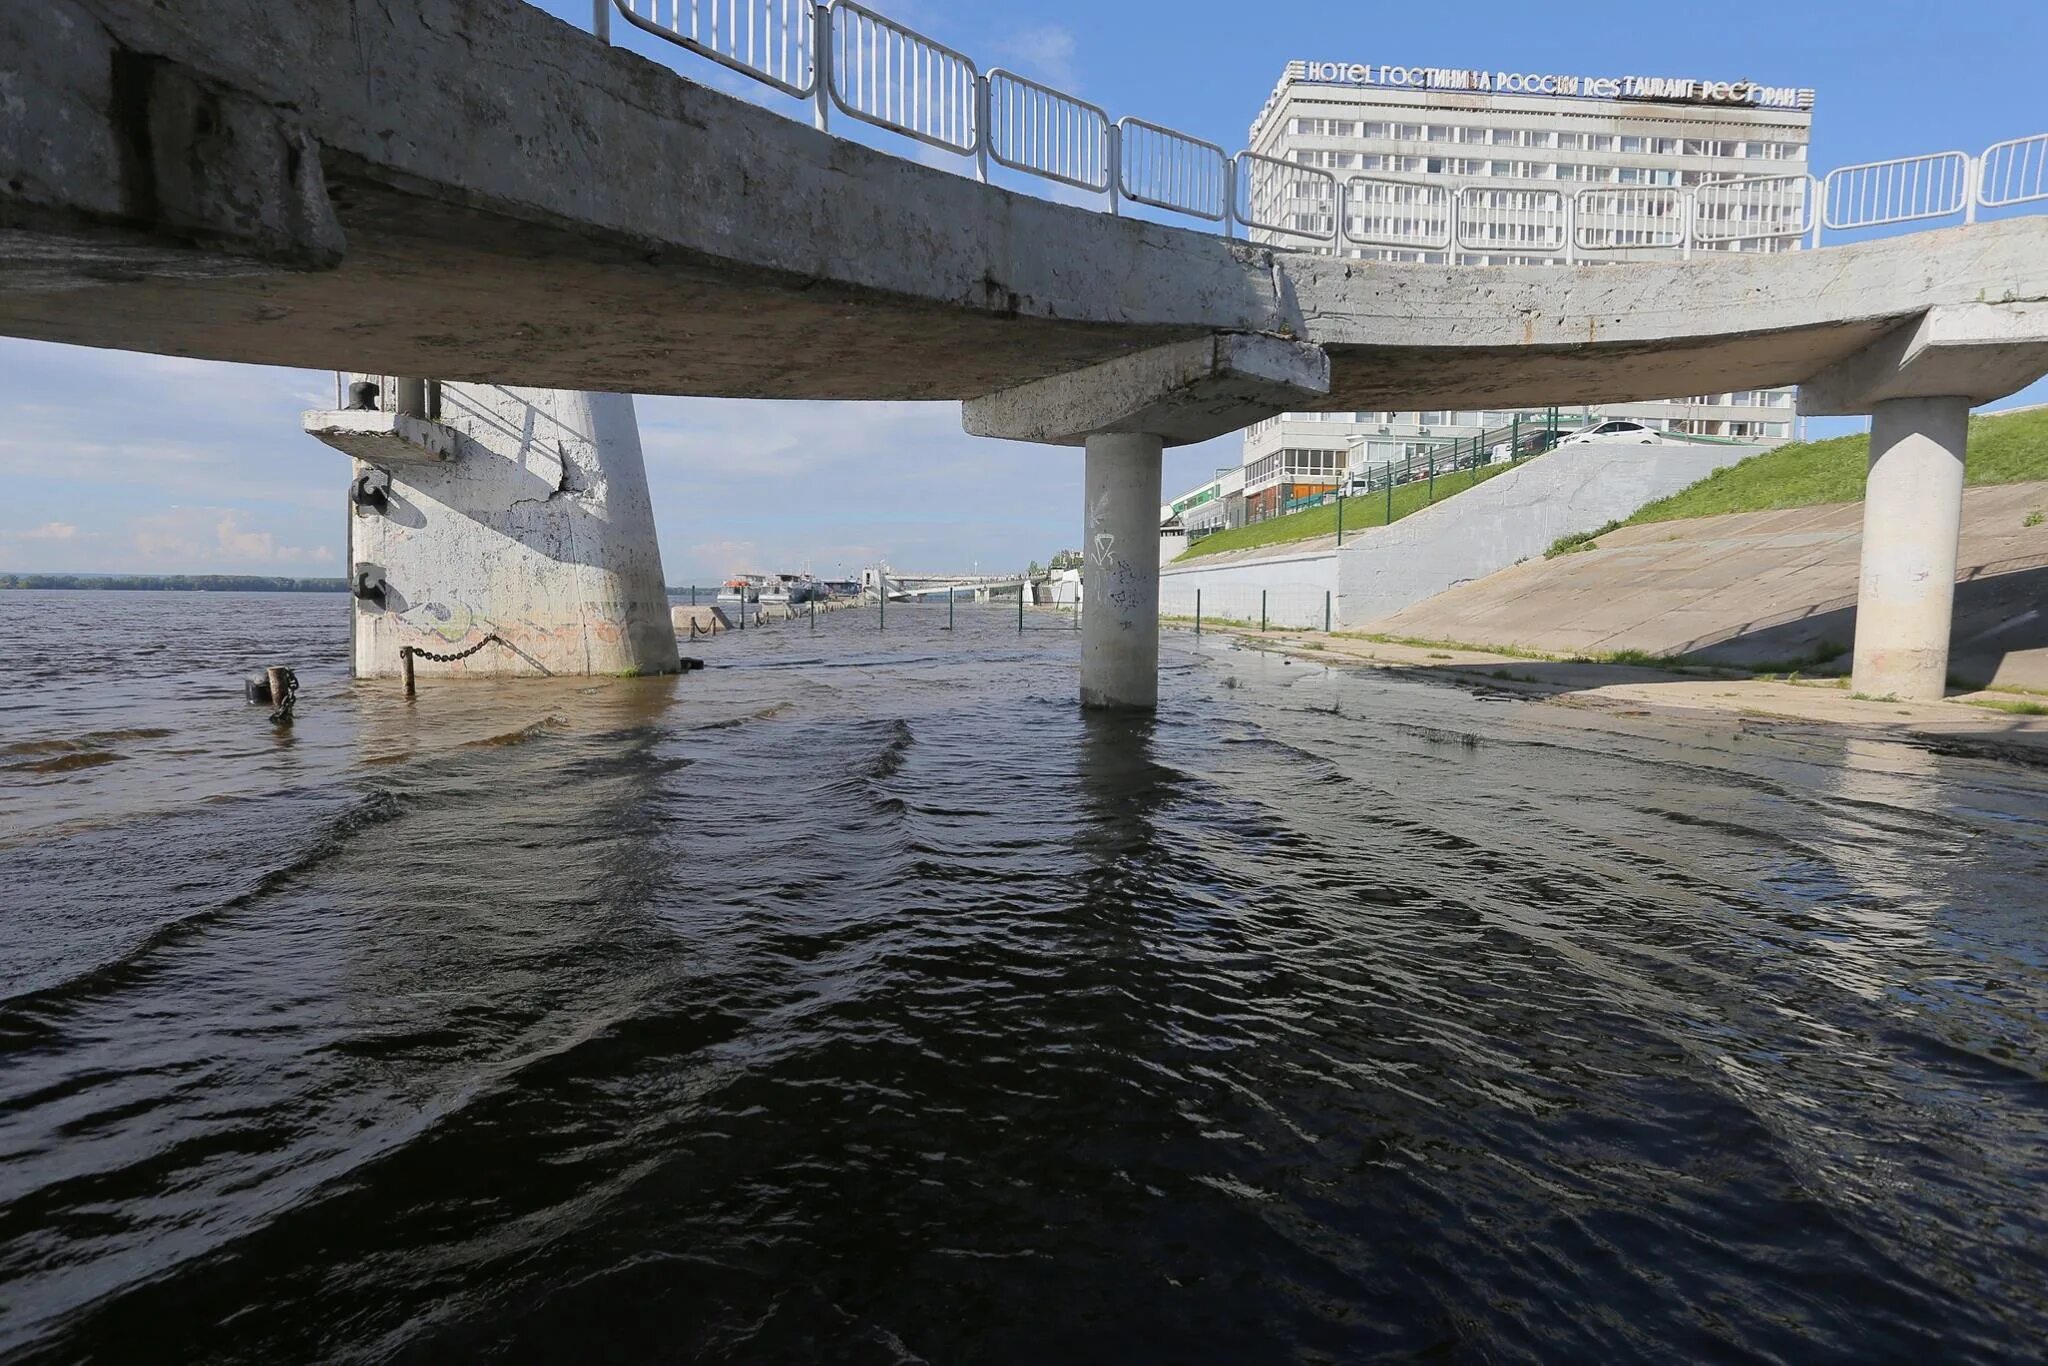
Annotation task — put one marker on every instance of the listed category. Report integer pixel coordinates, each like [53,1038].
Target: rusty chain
[417,653]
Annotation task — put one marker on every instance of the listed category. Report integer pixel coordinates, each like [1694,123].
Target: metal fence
[844,55]
[1169,170]
[1901,190]
[1037,129]
[770,40]
[1299,605]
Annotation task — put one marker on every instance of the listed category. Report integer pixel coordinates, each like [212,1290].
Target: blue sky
[134,463]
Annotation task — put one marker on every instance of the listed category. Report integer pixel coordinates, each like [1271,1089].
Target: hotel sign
[1680,89]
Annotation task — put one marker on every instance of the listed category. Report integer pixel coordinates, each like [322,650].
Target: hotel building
[1509,149]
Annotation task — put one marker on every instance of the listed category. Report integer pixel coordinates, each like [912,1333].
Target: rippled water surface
[858,999]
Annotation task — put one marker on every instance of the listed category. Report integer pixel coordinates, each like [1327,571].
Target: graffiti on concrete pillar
[1116,572]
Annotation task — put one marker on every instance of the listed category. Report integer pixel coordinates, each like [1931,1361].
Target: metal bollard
[1262,609]
[1326,611]
[1198,611]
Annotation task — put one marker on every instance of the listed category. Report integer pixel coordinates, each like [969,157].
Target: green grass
[2015,708]
[2008,449]
[1362,512]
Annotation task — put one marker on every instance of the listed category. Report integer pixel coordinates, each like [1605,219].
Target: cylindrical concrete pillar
[1120,543]
[1912,520]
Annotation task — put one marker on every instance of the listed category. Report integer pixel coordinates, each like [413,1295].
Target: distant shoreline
[175,583]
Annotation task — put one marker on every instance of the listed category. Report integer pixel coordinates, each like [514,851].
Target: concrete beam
[1977,352]
[379,438]
[123,164]
[1184,393]
[476,190]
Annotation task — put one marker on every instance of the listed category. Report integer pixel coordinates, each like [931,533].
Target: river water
[860,999]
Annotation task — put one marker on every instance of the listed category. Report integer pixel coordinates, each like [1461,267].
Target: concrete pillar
[538,530]
[1912,520]
[1120,629]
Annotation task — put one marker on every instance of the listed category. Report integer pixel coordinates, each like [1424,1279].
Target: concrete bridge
[472,190]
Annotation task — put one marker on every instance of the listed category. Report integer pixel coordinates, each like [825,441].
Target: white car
[1619,430]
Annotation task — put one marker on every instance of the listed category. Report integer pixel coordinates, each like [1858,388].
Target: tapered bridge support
[514,520]
[1125,413]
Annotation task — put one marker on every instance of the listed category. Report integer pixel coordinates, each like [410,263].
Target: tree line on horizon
[194,583]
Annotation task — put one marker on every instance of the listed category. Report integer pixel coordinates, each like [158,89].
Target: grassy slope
[2003,450]
[1367,510]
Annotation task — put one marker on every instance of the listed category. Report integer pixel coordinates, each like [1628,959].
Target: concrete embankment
[1480,531]
[1994,725]
[1755,588]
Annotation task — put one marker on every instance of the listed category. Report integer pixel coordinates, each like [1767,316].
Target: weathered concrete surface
[383,439]
[1120,628]
[539,532]
[1183,393]
[1511,517]
[1975,352]
[1758,587]
[474,190]
[706,620]
[1912,521]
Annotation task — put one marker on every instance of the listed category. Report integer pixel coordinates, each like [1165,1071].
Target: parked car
[1618,430]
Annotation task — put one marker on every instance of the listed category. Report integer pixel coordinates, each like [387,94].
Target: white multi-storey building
[1510,169]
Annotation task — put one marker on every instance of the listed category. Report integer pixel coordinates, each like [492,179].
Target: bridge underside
[476,191]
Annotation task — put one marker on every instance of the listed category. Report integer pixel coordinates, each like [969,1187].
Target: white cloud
[51,531]
[181,537]
[1045,54]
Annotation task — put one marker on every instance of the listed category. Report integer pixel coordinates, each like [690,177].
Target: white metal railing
[2013,172]
[896,78]
[842,54]
[1501,218]
[1901,190]
[1752,209]
[769,40]
[1636,218]
[1035,128]
[1170,170]
[1412,215]
[1285,197]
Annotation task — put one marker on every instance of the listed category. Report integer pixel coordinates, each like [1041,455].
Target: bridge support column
[1912,522]
[1918,382]
[516,513]
[1124,412]
[1120,548]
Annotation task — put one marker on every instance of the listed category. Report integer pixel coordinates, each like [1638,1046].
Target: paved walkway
[1705,694]
[1753,588]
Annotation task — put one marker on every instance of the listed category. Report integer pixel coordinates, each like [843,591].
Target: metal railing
[1039,130]
[1634,219]
[1901,190]
[896,78]
[1501,218]
[1284,197]
[1169,170]
[770,40]
[1415,215]
[1752,209]
[842,54]
[2013,172]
